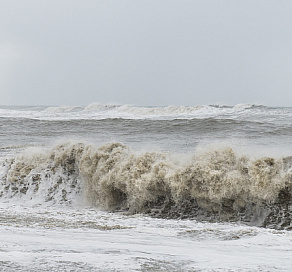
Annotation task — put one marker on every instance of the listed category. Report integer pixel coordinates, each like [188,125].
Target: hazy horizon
[146,53]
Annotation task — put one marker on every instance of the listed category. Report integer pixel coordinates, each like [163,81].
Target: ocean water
[125,188]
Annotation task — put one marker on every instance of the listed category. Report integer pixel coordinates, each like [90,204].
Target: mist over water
[187,168]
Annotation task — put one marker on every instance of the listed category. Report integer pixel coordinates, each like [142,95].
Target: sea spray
[215,184]
[41,176]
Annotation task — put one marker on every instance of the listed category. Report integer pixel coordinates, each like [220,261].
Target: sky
[145,52]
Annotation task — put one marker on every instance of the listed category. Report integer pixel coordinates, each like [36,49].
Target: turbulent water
[124,188]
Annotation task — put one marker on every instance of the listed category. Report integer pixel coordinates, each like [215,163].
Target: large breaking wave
[215,184]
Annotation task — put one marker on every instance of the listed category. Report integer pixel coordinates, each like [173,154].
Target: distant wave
[61,109]
[169,110]
[99,106]
[113,111]
[247,106]
[216,184]
[150,110]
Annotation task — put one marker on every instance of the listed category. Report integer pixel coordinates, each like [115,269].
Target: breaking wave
[215,184]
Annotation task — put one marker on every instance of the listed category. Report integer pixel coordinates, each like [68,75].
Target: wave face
[215,184]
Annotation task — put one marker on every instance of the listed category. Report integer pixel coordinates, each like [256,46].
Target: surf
[216,184]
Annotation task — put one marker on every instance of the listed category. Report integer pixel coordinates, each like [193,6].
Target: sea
[108,187]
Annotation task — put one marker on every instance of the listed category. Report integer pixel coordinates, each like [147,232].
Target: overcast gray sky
[144,52]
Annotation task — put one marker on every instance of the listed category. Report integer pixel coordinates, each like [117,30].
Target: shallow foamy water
[38,238]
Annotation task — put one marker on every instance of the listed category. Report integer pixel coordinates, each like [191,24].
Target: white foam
[35,238]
